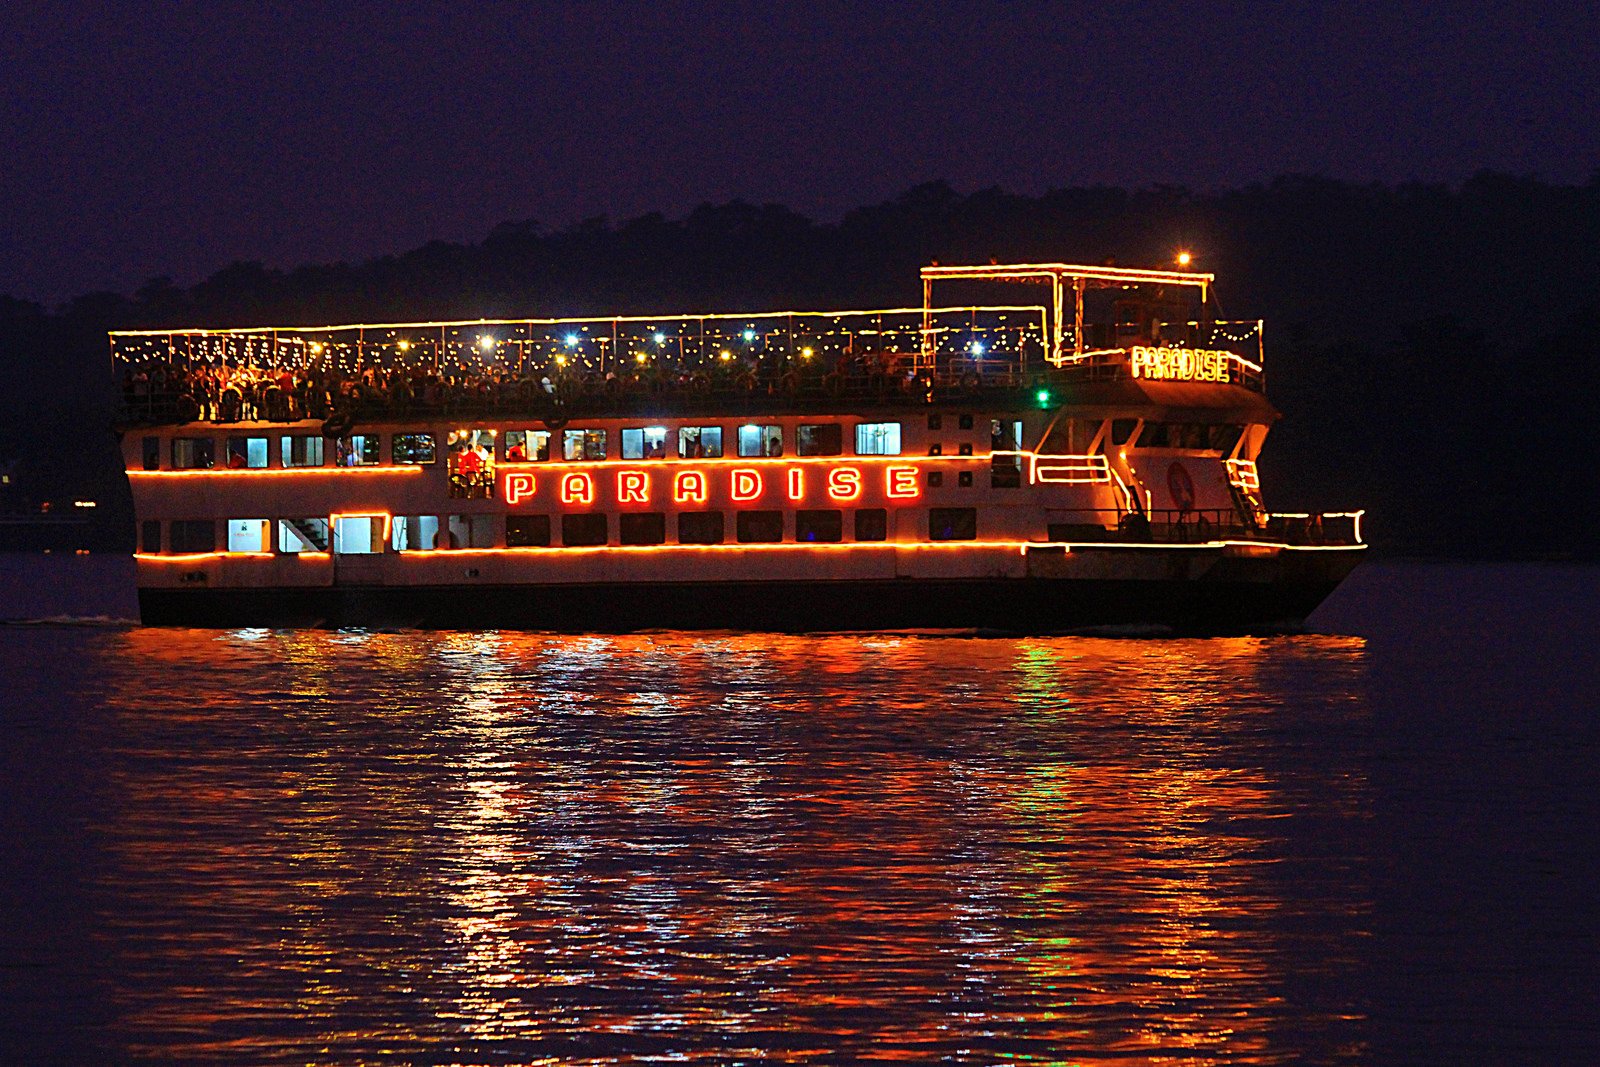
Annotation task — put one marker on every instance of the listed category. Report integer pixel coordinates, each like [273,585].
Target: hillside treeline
[1434,348]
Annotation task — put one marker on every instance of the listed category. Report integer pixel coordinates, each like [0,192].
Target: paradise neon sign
[742,485]
[1181,364]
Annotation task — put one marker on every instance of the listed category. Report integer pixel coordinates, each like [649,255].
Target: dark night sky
[171,139]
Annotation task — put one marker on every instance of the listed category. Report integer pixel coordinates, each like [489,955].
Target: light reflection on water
[500,847]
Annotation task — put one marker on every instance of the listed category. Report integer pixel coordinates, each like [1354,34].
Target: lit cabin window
[700,528]
[642,528]
[469,531]
[872,524]
[878,439]
[759,527]
[472,464]
[644,442]
[414,448]
[823,439]
[527,446]
[584,530]
[757,441]
[1005,464]
[813,526]
[358,535]
[583,444]
[301,451]
[527,531]
[302,535]
[700,442]
[414,533]
[249,535]
[359,450]
[247,453]
[193,453]
[193,535]
[952,524]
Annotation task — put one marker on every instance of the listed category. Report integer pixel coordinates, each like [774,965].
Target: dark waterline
[1369,844]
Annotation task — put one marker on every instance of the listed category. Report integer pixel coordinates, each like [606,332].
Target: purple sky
[144,140]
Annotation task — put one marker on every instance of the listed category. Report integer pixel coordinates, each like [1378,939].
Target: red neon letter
[577,489]
[689,487]
[902,483]
[746,484]
[844,483]
[519,486]
[797,483]
[633,487]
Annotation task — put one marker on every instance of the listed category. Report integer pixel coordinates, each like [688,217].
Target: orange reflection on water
[714,846]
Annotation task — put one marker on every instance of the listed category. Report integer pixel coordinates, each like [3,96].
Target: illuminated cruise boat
[1088,460]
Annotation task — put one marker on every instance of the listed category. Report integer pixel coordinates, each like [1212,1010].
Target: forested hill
[1434,348]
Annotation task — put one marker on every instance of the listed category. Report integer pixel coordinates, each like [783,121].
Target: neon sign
[693,486]
[1181,364]
[519,486]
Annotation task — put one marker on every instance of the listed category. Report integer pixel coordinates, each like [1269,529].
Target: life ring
[339,424]
[1181,486]
[554,423]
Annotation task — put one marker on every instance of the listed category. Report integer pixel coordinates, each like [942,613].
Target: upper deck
[1099,325]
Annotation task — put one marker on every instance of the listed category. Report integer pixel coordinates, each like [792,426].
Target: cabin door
[358,543]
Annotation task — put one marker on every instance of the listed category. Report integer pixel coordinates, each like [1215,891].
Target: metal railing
[1201,526]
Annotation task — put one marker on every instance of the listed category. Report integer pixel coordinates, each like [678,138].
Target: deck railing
[1200,526]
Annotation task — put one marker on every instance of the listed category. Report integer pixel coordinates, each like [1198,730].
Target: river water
[1373,843]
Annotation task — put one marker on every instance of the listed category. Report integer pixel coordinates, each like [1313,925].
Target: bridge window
[193,535]
[756,441]
[528,531]
[583,444]
[759,527]
[584,531]
[193,453]
[878,439]
[827,526]
[696,442]
[952,524]
[414,448]
[359,450]
[700,528]
[527,446]
[249,535]
[247,453]
[872,524]
[302,535]
[644,442]
[1122,431]
[643,528]
[301,451]
[414,533]
[824,439]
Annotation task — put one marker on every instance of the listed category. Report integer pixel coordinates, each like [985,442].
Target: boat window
[818,440]
[872,524]
[472,464]
[150,535]
[964,449]
[935,450]
[302,535]
[1155,435]
[952,524]
[700,528]
[528,531]
[935,479]
[358,535]
[642,528]
[964,479]
[193,535]
[414,448]
[249,535]
[469,531]
[965,422]
[578,531]
[700,441]
[878,439]
[414,533]
[756,441]
[301,451]
[935,421]
[247,453]
[818,525]
[527,446]
[759,527]
[583,444]
[192,453]
[644,442]
[358,450]
[1122,431]
[152,453]
[1224,438]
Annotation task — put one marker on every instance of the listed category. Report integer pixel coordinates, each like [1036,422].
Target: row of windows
[366,534]
[637,443]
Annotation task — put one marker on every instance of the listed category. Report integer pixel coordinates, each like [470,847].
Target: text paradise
[695,485]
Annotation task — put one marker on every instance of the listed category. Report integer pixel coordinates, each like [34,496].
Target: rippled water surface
[307,847]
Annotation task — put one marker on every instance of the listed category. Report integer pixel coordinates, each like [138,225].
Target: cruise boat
[1082,458]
